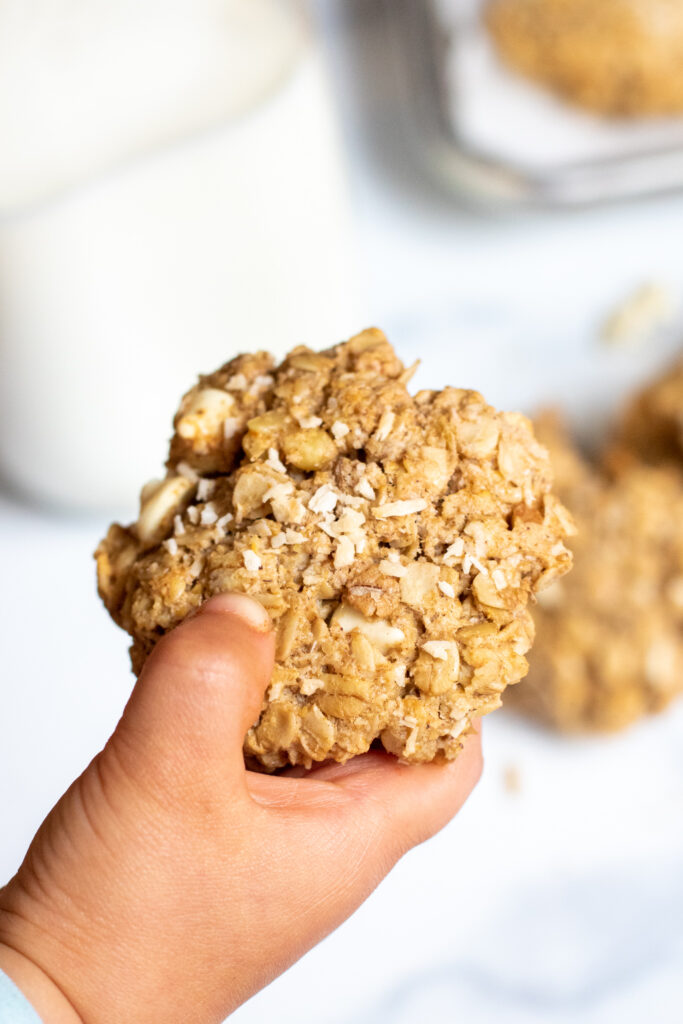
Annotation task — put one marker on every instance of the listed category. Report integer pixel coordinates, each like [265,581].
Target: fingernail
[242,607]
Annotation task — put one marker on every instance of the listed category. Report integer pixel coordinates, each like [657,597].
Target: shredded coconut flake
[205,489]
[350,499]
[279,491]
[455,550]
[324,500]
[178,526]
[308,422]
[339,430]
[237,382]
[278,541]
[224,520]
[252,562]
[274,462]
[195,568]
[193,514]
[446,588]
[459,728]
[399,508]
[345,553]
[498,577]
[365,488]
[171,546]
[263,380]
[294,537]
[208,516]
[385,425]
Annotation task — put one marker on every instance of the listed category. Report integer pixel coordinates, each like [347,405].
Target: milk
[161,241]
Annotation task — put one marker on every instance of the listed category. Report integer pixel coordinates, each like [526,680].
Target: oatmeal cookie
[394,539]
[609,645]
[652,424]
[616,57]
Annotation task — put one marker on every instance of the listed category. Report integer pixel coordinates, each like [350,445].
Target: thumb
[198,694]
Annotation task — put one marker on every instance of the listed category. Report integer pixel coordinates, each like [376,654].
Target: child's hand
[169,883]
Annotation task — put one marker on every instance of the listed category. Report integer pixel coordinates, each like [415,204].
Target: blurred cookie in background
[609,644]
[652,423]
[614,57]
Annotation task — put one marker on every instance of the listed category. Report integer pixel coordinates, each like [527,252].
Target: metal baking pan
[488,135]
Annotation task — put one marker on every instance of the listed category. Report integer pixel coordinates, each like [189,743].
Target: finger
[414,801]
[403,803]
[201,689]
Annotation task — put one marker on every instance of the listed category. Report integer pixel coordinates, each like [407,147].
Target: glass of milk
[171,193]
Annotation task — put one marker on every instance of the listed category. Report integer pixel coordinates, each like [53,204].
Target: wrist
[41,991]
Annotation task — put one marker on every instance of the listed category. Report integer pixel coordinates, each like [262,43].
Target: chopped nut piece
[159,508]
[377,631]
[309,449]
[392,568]
[439,648]
[203,413]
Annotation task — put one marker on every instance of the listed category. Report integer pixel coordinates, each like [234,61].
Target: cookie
[609,641]
[652,424]
[394,539]
[616,57]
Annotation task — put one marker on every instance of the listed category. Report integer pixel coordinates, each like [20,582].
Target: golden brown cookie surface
[609,641]
[652,423]
[395,541]
[618,57]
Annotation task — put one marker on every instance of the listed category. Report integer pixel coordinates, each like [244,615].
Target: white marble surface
[562,902]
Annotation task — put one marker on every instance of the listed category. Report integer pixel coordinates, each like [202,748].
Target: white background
[561,902]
